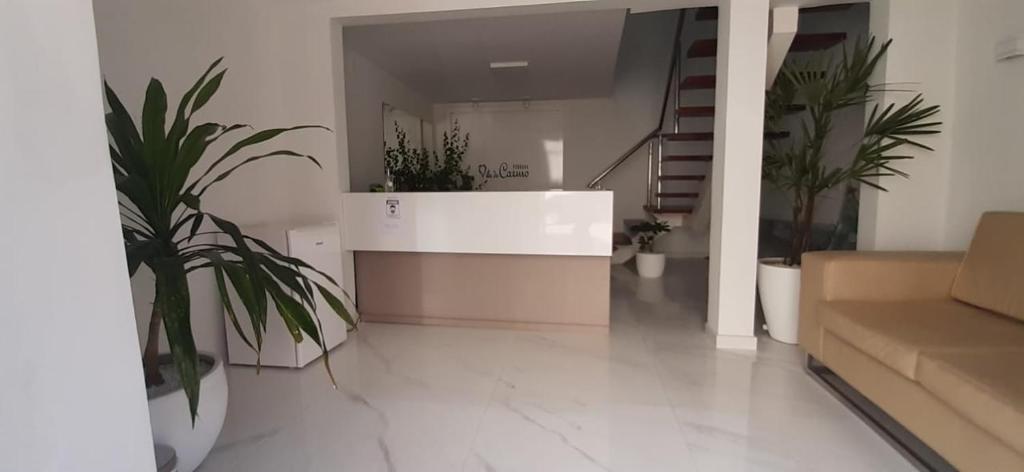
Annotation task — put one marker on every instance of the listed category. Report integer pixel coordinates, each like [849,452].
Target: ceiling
[570,55]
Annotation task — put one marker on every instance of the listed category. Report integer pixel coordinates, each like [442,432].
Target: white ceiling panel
[570,55]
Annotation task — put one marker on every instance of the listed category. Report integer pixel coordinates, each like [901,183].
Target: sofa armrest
[869,276]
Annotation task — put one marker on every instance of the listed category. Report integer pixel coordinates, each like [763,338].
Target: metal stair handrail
[672,72]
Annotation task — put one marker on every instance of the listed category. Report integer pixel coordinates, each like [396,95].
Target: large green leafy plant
[826,85]
[161,192]
[422,170]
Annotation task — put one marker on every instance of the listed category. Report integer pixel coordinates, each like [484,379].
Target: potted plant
[649,264]
[825,85]
[160,193]
[421,170]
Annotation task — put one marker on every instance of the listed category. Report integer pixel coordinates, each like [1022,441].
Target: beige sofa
[936,340]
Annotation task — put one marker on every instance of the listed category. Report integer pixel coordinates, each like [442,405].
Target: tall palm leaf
[161,210]
[826,85]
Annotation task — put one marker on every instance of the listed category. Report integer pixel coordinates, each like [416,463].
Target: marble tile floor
[653,395]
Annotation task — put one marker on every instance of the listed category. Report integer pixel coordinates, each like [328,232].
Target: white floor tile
[653,395]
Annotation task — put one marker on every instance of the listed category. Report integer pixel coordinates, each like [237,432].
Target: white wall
[367,87]
[73,395]
[286,67]
[279,74]
[736,173]
[987,169]
[597,130]
[912,214]
[946,48]
[512,145]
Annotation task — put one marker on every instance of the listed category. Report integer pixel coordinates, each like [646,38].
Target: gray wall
[367,87]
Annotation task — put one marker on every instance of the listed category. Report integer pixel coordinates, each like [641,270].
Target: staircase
[679,149]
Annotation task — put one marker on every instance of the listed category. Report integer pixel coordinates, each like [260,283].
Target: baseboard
[906,443]
[687,255]
[484,323]
[739,343]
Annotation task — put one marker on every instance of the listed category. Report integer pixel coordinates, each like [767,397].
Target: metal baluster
[650,171]
[678,82]
[661,146]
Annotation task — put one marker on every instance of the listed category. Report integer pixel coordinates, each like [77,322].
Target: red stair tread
[711,136]
[691,177]
[696,111]
[707,13]
[687,158]
[801,43]
[711,13]
[816,41]
[827,8]
[703,48]
[669,209]
[677,194]
[689,136]
[698,82]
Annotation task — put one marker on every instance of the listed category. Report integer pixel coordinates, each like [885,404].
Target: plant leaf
[172,303]
[225,299]
[256,138]
[243,287]
[181,121]
[154,114]
[280,153]
[337,306]
[206,93]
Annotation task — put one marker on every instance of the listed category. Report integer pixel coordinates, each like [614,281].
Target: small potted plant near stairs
[799,168]
[648,263]
[160,192]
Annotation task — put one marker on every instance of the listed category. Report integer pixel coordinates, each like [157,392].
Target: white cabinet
[320,247]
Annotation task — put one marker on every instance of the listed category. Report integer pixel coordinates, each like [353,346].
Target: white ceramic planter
[168,415]
[650,265]
[779,287]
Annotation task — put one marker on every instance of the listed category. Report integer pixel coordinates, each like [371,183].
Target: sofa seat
[985,386]
[896,333]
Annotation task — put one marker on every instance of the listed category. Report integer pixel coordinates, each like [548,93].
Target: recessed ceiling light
[509,64]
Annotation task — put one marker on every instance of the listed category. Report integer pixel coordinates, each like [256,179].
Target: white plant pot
[169,417]
[779,287]
[650,265]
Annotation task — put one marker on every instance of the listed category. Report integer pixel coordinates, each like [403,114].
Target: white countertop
[574,223]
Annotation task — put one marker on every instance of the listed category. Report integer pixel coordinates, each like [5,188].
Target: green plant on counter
[647,232]
[420,170]
[825,86]
[160,192]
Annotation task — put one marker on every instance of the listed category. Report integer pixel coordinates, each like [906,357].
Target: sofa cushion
[992,274]
[895,333]
[985,386]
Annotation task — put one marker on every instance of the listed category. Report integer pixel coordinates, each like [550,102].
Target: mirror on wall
[419,132]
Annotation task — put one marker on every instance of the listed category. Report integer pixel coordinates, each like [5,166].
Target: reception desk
[534,260]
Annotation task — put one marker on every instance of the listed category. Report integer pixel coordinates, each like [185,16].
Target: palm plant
[161,209]
[648,232]
[826,85]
